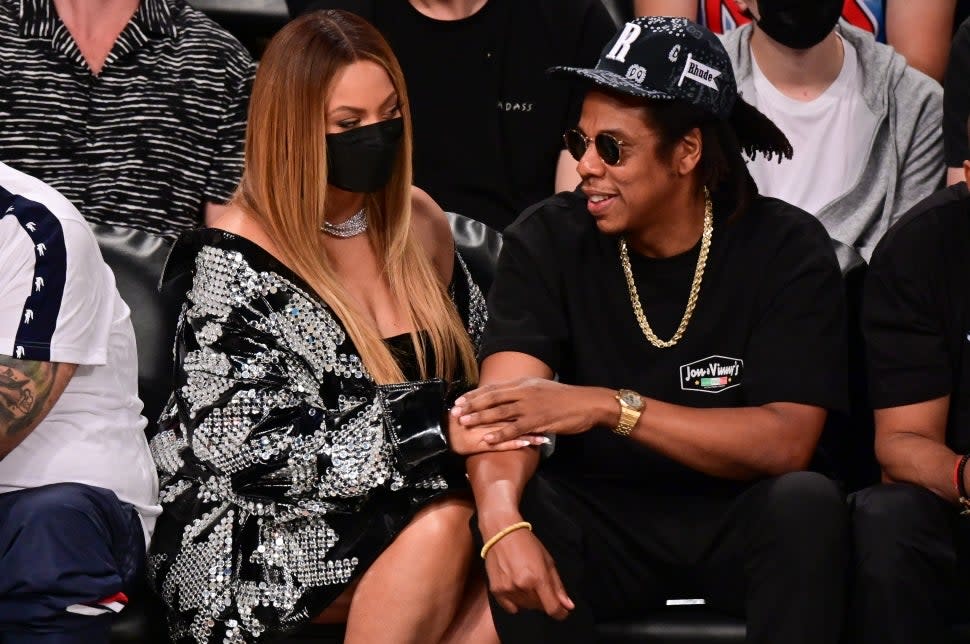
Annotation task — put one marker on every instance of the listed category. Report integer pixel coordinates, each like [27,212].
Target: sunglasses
[607,146]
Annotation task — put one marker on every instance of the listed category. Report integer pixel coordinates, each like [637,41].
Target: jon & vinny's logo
[712,374]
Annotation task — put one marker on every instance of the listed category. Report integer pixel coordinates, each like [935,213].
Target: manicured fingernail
[466,419]
[541,440]
[460,400]
[456,411]
[523,443]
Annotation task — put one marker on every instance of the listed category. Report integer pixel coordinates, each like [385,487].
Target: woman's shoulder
[233,242]
[433,230]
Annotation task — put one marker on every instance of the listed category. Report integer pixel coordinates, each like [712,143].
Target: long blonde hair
[284,188]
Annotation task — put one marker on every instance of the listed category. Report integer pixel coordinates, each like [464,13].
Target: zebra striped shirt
[147,142]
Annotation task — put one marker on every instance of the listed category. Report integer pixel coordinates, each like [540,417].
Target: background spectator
[134,109]
[864,126]
[920,31]
[912,546]
[78,490]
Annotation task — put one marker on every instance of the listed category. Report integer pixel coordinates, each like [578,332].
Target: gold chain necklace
[695,286]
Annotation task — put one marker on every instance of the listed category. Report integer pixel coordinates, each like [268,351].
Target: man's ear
[688,152]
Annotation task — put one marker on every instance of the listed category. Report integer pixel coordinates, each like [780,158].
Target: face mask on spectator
[798,24]
[361,159]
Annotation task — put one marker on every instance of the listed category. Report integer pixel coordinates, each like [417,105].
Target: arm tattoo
[25,386]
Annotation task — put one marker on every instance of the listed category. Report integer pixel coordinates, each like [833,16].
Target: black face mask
[361,159]
[799,24]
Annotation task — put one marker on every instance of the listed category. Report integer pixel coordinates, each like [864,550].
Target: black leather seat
[137,257]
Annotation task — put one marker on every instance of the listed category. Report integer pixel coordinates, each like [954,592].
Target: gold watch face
[630,399]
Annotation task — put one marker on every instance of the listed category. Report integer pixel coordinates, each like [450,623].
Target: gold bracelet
[503,533]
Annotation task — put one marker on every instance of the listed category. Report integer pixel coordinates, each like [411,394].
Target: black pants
[774,553]
[910,568]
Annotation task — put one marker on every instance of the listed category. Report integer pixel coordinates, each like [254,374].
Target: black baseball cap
[664,58]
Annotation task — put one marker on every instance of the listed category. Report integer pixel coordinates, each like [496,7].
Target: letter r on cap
[622,46]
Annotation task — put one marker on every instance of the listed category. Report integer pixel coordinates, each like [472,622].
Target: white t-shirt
[831,137]
[59,303]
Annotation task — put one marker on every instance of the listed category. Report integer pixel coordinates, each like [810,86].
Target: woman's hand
[523,576]
[497,414]
[465,442]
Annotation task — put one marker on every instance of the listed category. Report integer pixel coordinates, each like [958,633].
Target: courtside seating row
[137,259]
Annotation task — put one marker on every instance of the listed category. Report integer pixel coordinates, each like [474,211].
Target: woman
[299,481]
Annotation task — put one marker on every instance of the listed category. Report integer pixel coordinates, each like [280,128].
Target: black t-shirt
[916,310]
[956,99]
[769,324]
[488,121]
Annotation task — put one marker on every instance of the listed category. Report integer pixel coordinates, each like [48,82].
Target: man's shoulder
[944,215]
[559,219]
[734,39]
[883,68]
[772,219]
[571,14]
[32,190]
[44,213]
[200,32]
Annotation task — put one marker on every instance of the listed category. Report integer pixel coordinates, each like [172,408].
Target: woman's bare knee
[442,522]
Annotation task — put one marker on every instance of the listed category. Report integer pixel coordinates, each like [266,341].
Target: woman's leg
[338,610]
[413,591]
[473,623]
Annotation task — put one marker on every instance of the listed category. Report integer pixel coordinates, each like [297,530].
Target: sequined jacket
[285,470]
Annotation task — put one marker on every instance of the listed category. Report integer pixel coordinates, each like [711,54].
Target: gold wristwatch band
[631,406]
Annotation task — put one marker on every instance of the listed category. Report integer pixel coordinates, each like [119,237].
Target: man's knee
[899,522]
[69,526]
[49,506]
[805,502]
[63,545]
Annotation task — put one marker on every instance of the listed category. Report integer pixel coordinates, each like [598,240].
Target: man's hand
[522,576]
[466,442]
[534,406]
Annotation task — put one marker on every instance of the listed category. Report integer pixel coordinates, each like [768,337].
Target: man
[78,489]
[487,127]
[134,109]
[912,538]
[697,332]
[920,31]
[865,127]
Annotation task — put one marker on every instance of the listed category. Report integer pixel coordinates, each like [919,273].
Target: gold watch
[631,406]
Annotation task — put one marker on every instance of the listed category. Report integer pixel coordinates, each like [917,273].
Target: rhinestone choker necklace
[350,228]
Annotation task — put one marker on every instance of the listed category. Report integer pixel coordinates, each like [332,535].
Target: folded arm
[736,443]
[911,447]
